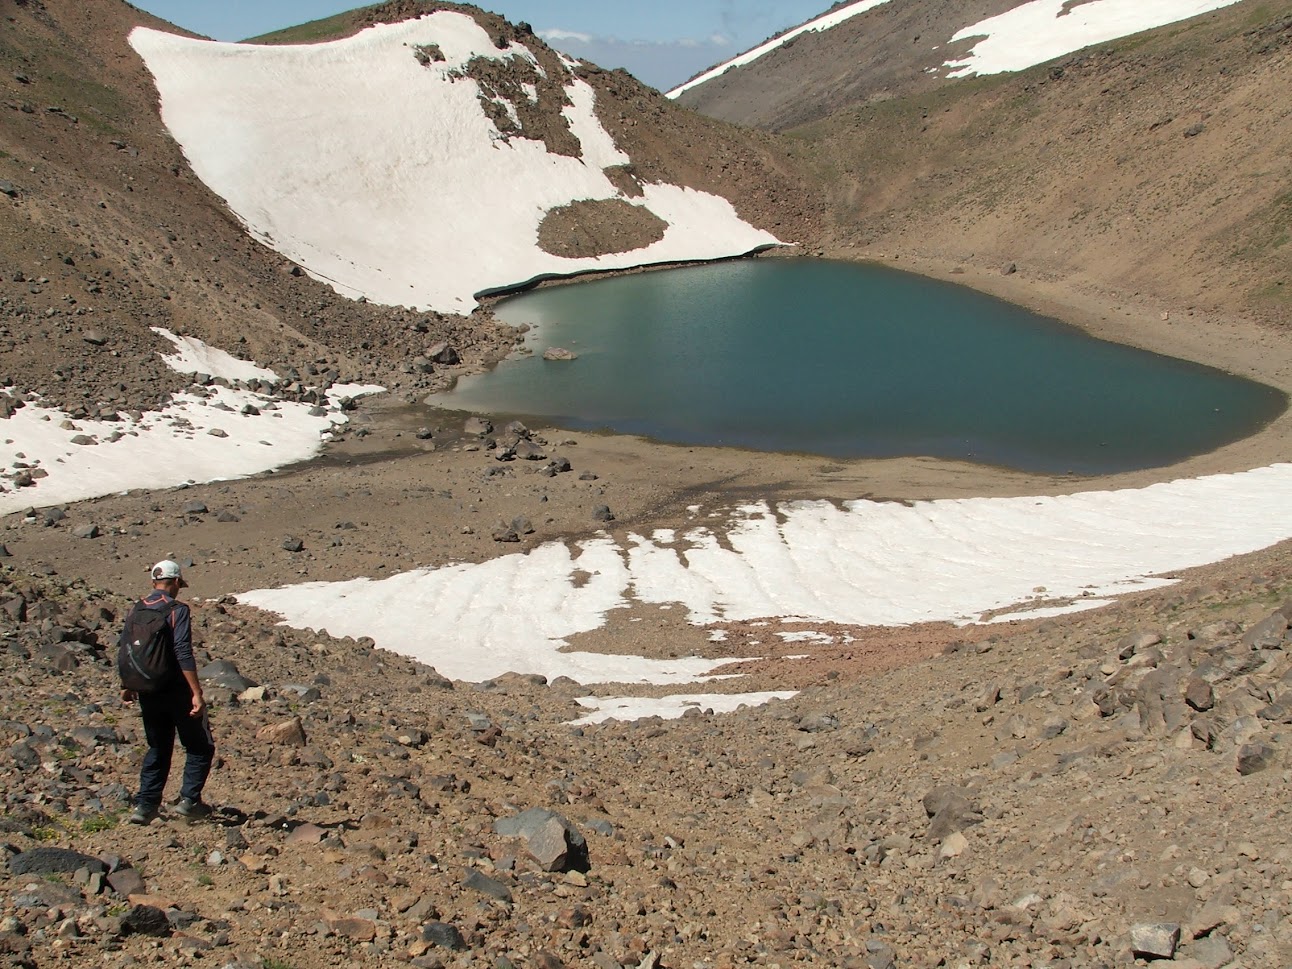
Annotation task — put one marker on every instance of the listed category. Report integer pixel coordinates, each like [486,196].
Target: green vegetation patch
[314,32]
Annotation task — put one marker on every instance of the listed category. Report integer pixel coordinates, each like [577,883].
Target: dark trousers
[165,714]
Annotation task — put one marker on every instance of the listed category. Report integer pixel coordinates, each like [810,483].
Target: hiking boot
[142,814]
[192,808]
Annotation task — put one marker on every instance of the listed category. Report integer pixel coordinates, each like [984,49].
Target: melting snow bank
[670,707]
[866,563]
[379,171]
[1044,29]
[211,433]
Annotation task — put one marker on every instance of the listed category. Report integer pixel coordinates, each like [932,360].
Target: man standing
[175,707]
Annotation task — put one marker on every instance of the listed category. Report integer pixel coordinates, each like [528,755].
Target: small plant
[44,834]
[100,822]
[273,962]
[205,880]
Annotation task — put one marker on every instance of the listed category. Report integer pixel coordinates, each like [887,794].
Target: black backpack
[146,657]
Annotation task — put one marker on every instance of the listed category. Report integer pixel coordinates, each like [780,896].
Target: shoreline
[1237,347]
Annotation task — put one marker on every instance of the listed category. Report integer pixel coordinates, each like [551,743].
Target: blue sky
[662,42]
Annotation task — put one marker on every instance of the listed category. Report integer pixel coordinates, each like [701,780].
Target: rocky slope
[1075,793]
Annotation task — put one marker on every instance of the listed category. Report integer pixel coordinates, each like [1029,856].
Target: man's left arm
[183,629]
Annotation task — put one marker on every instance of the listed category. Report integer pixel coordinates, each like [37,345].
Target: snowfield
[1043,30]
[221,434]
[384,177]
[866,563]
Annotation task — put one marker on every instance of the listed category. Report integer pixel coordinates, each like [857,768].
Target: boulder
[1155,940]
[224,674]
[553,841]
[47,861]
[290,733]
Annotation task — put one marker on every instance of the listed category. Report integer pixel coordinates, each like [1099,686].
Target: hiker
[157,668]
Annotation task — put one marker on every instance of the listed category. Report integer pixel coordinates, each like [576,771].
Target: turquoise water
[849,360]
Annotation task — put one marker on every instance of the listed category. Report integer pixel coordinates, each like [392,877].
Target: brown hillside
[1159,167]
[893,50]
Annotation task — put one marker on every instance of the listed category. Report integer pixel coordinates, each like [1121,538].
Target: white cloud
[556,35]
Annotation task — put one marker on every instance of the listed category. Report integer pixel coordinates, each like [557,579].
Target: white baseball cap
[167,569]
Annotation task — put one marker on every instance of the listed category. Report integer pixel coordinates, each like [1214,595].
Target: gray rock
[1268,633]
[1204,731]
[529,451]
[88,530]
[477,427]
[602,513]
[1199,694]
[126,882]
[145,920]
[224,674]
[293,544]
[553,841]
[880,955]
[194,508]
[818,721]
[45,861]
[444,935]
[443,353]
[1137,642]
[1253,758]
[8,188]
[1211,951]
[1155,940]
[480,882]
[1213,631]
[949,809]
[1053,727]
[559,353]
[988,698]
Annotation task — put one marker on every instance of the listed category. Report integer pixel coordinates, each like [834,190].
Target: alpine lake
[852,360]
